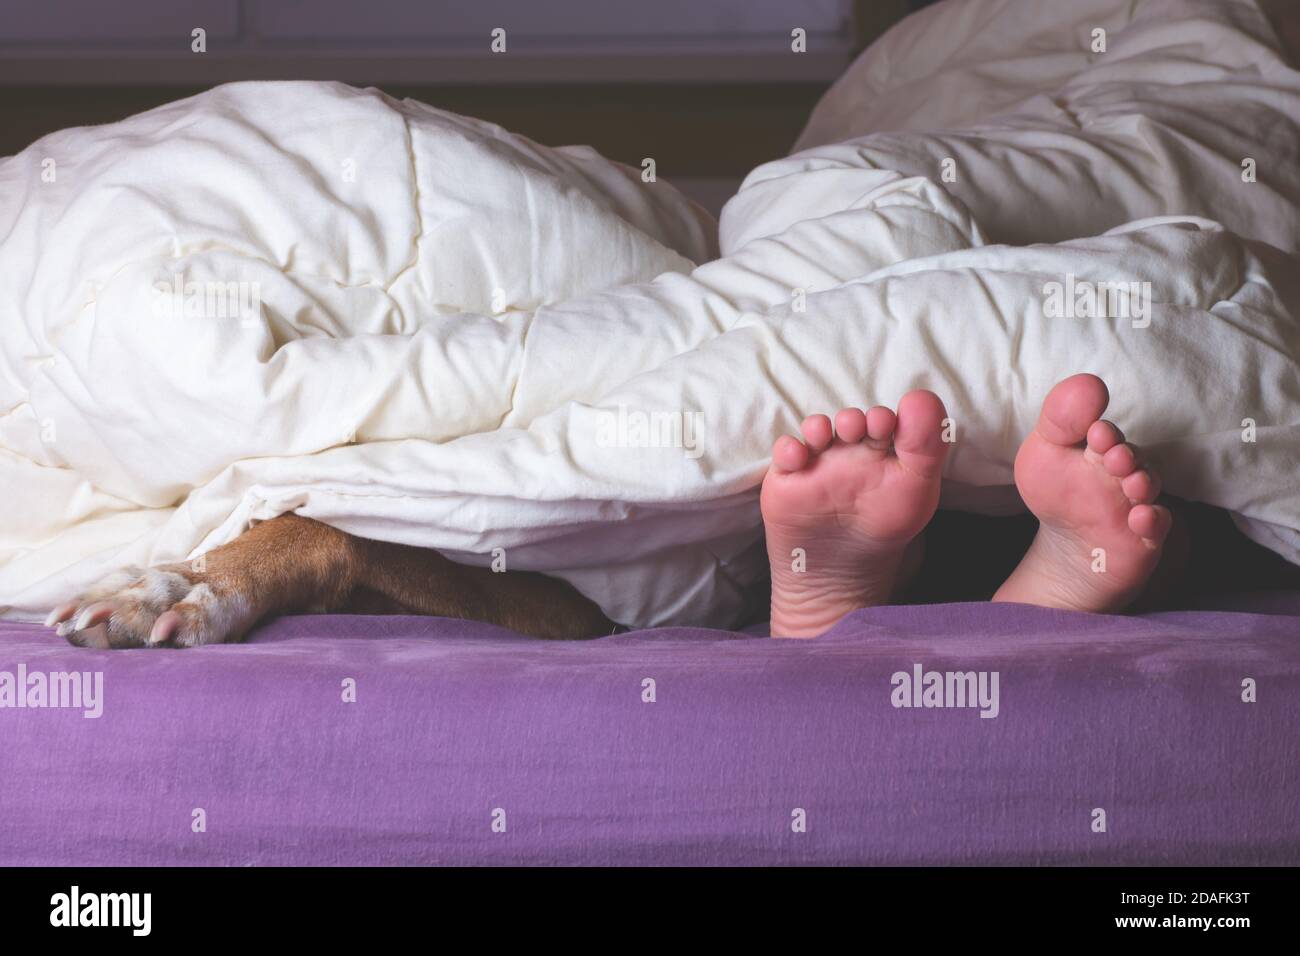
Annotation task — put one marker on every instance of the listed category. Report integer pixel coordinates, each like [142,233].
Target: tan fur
[296,564]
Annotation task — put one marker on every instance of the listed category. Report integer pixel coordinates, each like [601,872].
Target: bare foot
[1100,533]
[841,510]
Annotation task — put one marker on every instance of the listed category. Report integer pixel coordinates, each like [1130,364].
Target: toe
[169,622]
[194,621]
[1142,487]
[918,437]
[93,615]
[1151,523]
[1120,461]
[1071,408]
[1103,436]
[881,422]
[850,425]
[61,613]
[817,432]
[789,454]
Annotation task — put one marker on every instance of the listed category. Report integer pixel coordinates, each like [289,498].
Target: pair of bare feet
[844,508]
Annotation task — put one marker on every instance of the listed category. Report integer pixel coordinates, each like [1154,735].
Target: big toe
[1071,407]
[918,437]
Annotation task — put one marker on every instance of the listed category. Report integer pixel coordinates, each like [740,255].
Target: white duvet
[421,328]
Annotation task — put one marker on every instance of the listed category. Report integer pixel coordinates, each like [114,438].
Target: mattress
[1161,739]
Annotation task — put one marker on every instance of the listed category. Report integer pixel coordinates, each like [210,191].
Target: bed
[752,750]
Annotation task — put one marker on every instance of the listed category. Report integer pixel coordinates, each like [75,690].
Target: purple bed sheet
[467,744]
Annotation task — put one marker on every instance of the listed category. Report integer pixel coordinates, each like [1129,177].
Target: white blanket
[451,337]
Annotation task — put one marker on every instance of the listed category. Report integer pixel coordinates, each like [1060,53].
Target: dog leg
[288,563]
[291,563]
[422,581]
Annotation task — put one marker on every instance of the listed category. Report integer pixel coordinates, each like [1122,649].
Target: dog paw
[169,606]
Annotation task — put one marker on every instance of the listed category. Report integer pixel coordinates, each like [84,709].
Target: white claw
[53,618]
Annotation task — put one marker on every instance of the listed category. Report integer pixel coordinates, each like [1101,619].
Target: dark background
[710,88]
